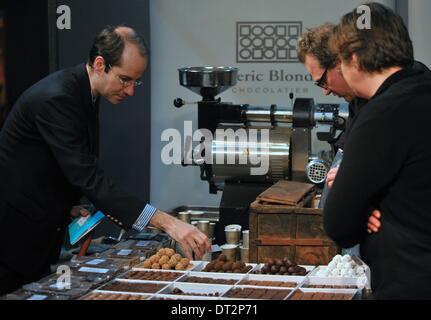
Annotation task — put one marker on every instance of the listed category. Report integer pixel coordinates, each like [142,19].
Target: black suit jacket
[48,161]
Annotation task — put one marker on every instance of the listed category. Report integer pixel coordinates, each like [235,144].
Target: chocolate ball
[270,261]
[275,269]
[222,257]
[219,266]
[302,272]
[287,262]
[278,262]
[227,266]
[297,269]
[236,265]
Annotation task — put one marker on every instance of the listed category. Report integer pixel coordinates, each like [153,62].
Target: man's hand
[331,177]
[78,211]
[189,237]
[374,223]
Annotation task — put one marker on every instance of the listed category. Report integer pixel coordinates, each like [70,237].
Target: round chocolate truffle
[228,266]
[278,262]
[222,257]
[275,269]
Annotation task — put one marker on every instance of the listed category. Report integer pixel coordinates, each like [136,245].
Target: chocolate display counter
[166,275]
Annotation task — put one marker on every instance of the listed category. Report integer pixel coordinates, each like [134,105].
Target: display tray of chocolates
[152,275]
[261,283]
[272,280]
[115,296]
[334,283]
[35,296]
[93,262]
[95,273]
[323,295]
[257,293]
[57,284]
[125,254]
[130,286]
[282,267]
[211,278]
[167,259]
[123,258]
[323,286]
[222,265]
[197,290]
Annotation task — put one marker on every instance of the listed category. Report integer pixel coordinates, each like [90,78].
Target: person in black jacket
[324,67]
[49,160]
[386,156]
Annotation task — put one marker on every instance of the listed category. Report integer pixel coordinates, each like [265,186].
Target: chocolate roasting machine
[287,146]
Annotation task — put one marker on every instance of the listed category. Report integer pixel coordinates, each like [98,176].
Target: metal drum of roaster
[234,159]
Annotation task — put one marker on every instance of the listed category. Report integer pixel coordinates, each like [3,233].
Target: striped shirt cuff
[145,218]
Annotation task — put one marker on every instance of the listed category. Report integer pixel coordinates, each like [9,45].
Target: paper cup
[230,251]
[233,236]
[204,227]
[184,216]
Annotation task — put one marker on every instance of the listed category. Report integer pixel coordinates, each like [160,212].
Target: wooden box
[278,231]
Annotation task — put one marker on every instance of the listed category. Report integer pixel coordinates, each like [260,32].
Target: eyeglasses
[126,82]
[322,82]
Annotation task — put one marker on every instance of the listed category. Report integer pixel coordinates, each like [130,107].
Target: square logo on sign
[267,42]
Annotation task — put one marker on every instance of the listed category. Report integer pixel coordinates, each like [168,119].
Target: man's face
[335,82]
[356,78]
[119,82]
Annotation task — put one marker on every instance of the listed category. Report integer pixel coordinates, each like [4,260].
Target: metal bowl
[208,81]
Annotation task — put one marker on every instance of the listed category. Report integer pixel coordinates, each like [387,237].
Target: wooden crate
[278,231]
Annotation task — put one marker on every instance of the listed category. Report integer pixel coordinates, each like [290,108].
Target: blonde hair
[315,42]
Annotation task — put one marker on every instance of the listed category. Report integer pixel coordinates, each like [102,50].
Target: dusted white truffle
[343,272]
[335,272]
[337,258]
[342,266]
[346,258]
[324,272]
[351,273]
[360,271]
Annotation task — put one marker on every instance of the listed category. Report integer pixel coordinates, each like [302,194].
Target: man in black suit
[49,160]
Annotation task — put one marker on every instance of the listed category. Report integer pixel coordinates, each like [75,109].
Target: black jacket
[386,166]
[48,161]
[354,109]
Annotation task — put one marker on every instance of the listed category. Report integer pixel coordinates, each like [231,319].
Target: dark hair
[110,44]
[316,43]
[387,44]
